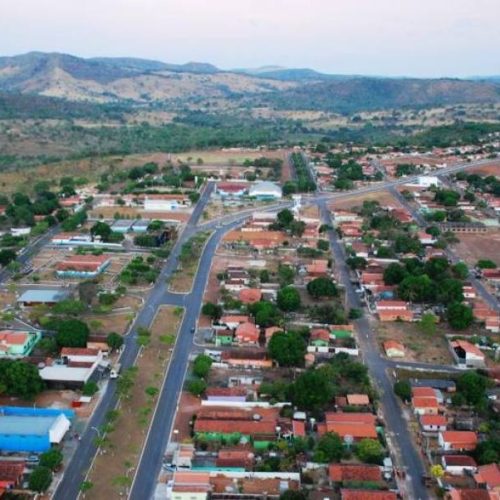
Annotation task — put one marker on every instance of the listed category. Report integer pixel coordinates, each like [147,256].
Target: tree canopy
[287,348]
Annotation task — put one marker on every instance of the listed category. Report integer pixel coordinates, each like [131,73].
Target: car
[193,329]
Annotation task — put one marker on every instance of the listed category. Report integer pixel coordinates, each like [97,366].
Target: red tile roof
[489,475]
[357,431]
[347,472]
[350,418]
[433,420]
[459,438]
[250,295]
[459,461]
[367,495]
[423,392]
[247,332]
[246,427]
[425,402]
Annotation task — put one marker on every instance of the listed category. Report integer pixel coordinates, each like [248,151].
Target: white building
[265,190]
[165,202]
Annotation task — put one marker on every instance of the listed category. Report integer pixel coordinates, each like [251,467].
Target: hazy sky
[383,37]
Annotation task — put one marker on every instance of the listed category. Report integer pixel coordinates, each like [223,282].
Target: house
[394,349]
[81,354]
[223,336]
[232,321]
[488,476]
[247,333]
[457,440]
[270,331]
[46,296]
[73,374]
[250,295]
[360,249]
[319,337]
[469,292]
[237,457]
[298,428]
[468,494]
[395,315]
[82,266]
[467,354]
[265,191]
[425,405]
[391,305]
[32,429]
[426,239]
[189,485]
[367,495]
[183,456]
[11,473]
[358,400]
[456,465]
[231,189]
[318,268]
[226,394]
[339,473]
[73,239]
[433,423]
[246,358]
[165,202]
[356,425]
[15,343]
[427,392]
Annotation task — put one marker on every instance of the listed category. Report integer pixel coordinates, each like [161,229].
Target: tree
[427,324]
[40,479]
[486,264]
[70,332]
[89,388]
[449,291]
[355,313]
[472,386]
[323,245]
[436,267]
[417,289]
[297,228]
[69,307]
[356,262]
[402,388]
[287,348]
[394,274]
[264,276]
[437,471]
[288,299]
[197,386]
[293,495]
[285,217]
[211,310]
[459,316]
[460,270]
[87,291]
[370,451]
[286,274]
[52,459]
[101,229]
[18,378]
[265,313]
[488,451]
[7,256]
[330,448]
[322,287]
[312,390]
[201,365]
[114,341]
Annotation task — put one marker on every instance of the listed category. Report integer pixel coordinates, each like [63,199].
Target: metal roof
[27,425]
[43,295]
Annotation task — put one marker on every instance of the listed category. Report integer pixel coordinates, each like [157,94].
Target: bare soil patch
[473,247]
[383,197]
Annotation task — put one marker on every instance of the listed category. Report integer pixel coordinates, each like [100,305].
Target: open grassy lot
[419,346]
[114,468]
[233,156]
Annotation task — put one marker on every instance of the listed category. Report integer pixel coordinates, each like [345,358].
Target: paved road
[31,249]
[489,298]
[378,366]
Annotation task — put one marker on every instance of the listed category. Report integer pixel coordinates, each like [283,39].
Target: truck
[115,370]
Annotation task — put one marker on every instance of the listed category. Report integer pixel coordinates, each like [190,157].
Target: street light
[99,435]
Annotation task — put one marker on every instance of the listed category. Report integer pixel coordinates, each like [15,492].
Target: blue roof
[47,295]
[15,425]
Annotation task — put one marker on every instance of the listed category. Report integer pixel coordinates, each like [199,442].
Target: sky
[423,38]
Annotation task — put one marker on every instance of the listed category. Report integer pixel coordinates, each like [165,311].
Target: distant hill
[131,81]
[358,93]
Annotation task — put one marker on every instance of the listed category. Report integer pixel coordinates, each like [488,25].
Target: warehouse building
[265,191]
[32,429]
[82,266]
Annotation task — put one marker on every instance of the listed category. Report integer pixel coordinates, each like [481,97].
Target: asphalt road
[396,427]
